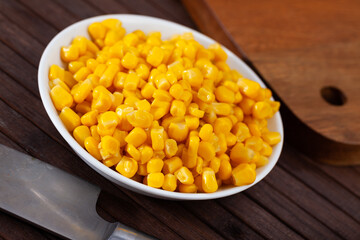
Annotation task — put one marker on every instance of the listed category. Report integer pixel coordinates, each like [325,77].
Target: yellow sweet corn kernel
[107,77]
[239,114]
[104,131]
[129,61]
[95,134]
[172,164]
[143,105]
[170,147]
[81,74]
[146,154]
[224,156]
[60,97]
[176,91]
[112,161]
[147,91]
[177,68]
[194,77]
[112,23]
[157,138]
[74,66]
[131,39]
[224,94]
[91,47]
[136,137]
[90,118]
[100,69]
[155,56]
[55,72]
[70,119]
[241,154]
[83,91]
[133,152]
[130,100]
[127,167]
[192,122]
[220,54]
[178,131]
[215,164]
[248,87]
[261,161]
[91,64]
[131,82]
[225,170]
[161,82]
[184,175]
[254,142]
[222,144]
[243,174]
[80,133]
[87,56]
[142,170]
[120,136]
[154,165]
[266,149]
[109,119]
[97,30]
[83,107]
[159,154]
[187,188]
[208,180]
[222,65]
[241,131]
[109,146]
[91,145]
[70,53]
[262,110]
[102,103]
[205,132]
[117,100]
[140,118]
[272,138]
[222,125]
[178,108]
[100,44]
[205,95]
[231,139]
[170,182]
[122,112]
[143,71]
[206,151]
[162,95]
[155,180]
[223,109]
[112,36]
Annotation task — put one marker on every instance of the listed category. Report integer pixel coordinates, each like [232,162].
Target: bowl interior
[51,56]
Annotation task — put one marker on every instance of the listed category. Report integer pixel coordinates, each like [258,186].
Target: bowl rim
[108,172]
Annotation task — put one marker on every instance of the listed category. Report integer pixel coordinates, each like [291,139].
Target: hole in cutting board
[333,96]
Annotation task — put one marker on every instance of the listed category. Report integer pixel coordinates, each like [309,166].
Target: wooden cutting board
[307,51]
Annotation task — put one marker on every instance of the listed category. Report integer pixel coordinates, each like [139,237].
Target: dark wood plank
[318,181]
[222,221]
[289,212]
[258,219]
[21,16]
[52,12]
[79,8]
[313,203]
[108,6]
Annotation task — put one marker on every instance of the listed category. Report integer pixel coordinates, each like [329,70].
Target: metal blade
[50,197]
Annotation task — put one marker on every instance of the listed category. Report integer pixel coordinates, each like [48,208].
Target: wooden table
[299,199]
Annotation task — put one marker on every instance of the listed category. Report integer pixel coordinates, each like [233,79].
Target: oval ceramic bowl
[51,56]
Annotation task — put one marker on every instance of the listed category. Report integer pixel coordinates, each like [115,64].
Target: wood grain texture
[270,210]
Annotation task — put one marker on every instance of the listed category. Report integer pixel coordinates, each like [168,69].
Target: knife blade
[55,200]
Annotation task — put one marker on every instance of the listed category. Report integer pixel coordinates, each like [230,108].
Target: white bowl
[51,56]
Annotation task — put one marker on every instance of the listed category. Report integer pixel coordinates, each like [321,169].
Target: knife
[55,200]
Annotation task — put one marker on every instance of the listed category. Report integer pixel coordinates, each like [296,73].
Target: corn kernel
[178,131]
[97,30]
[178,108]
[109,162]
[241,154]
[91,145]
[155,180]
[215,164]
[222,125]
[129,61]
[206,151]
[157,138]
[80,133]
[248,87]
[266,149]
[81,74]
[205,132]
[184,175]
[208,180]
[90,118]
[133,152]
[70,119]
[146,154]
[170,182]
[127,167]
[94,133]
[131,82]
[243,174]
[136,137]
[170,147]
[272,138]
[205,95]
[194,77]
[109,146]
[261,110]
[83,91]
[70,53]
[224,94]
[154,165]
[60,97]
[187,188]
[220,54]
[109,119]
[83,107]
[74,66]
[155,56]
[225,170]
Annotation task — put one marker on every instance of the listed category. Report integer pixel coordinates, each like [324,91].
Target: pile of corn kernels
[168,113]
